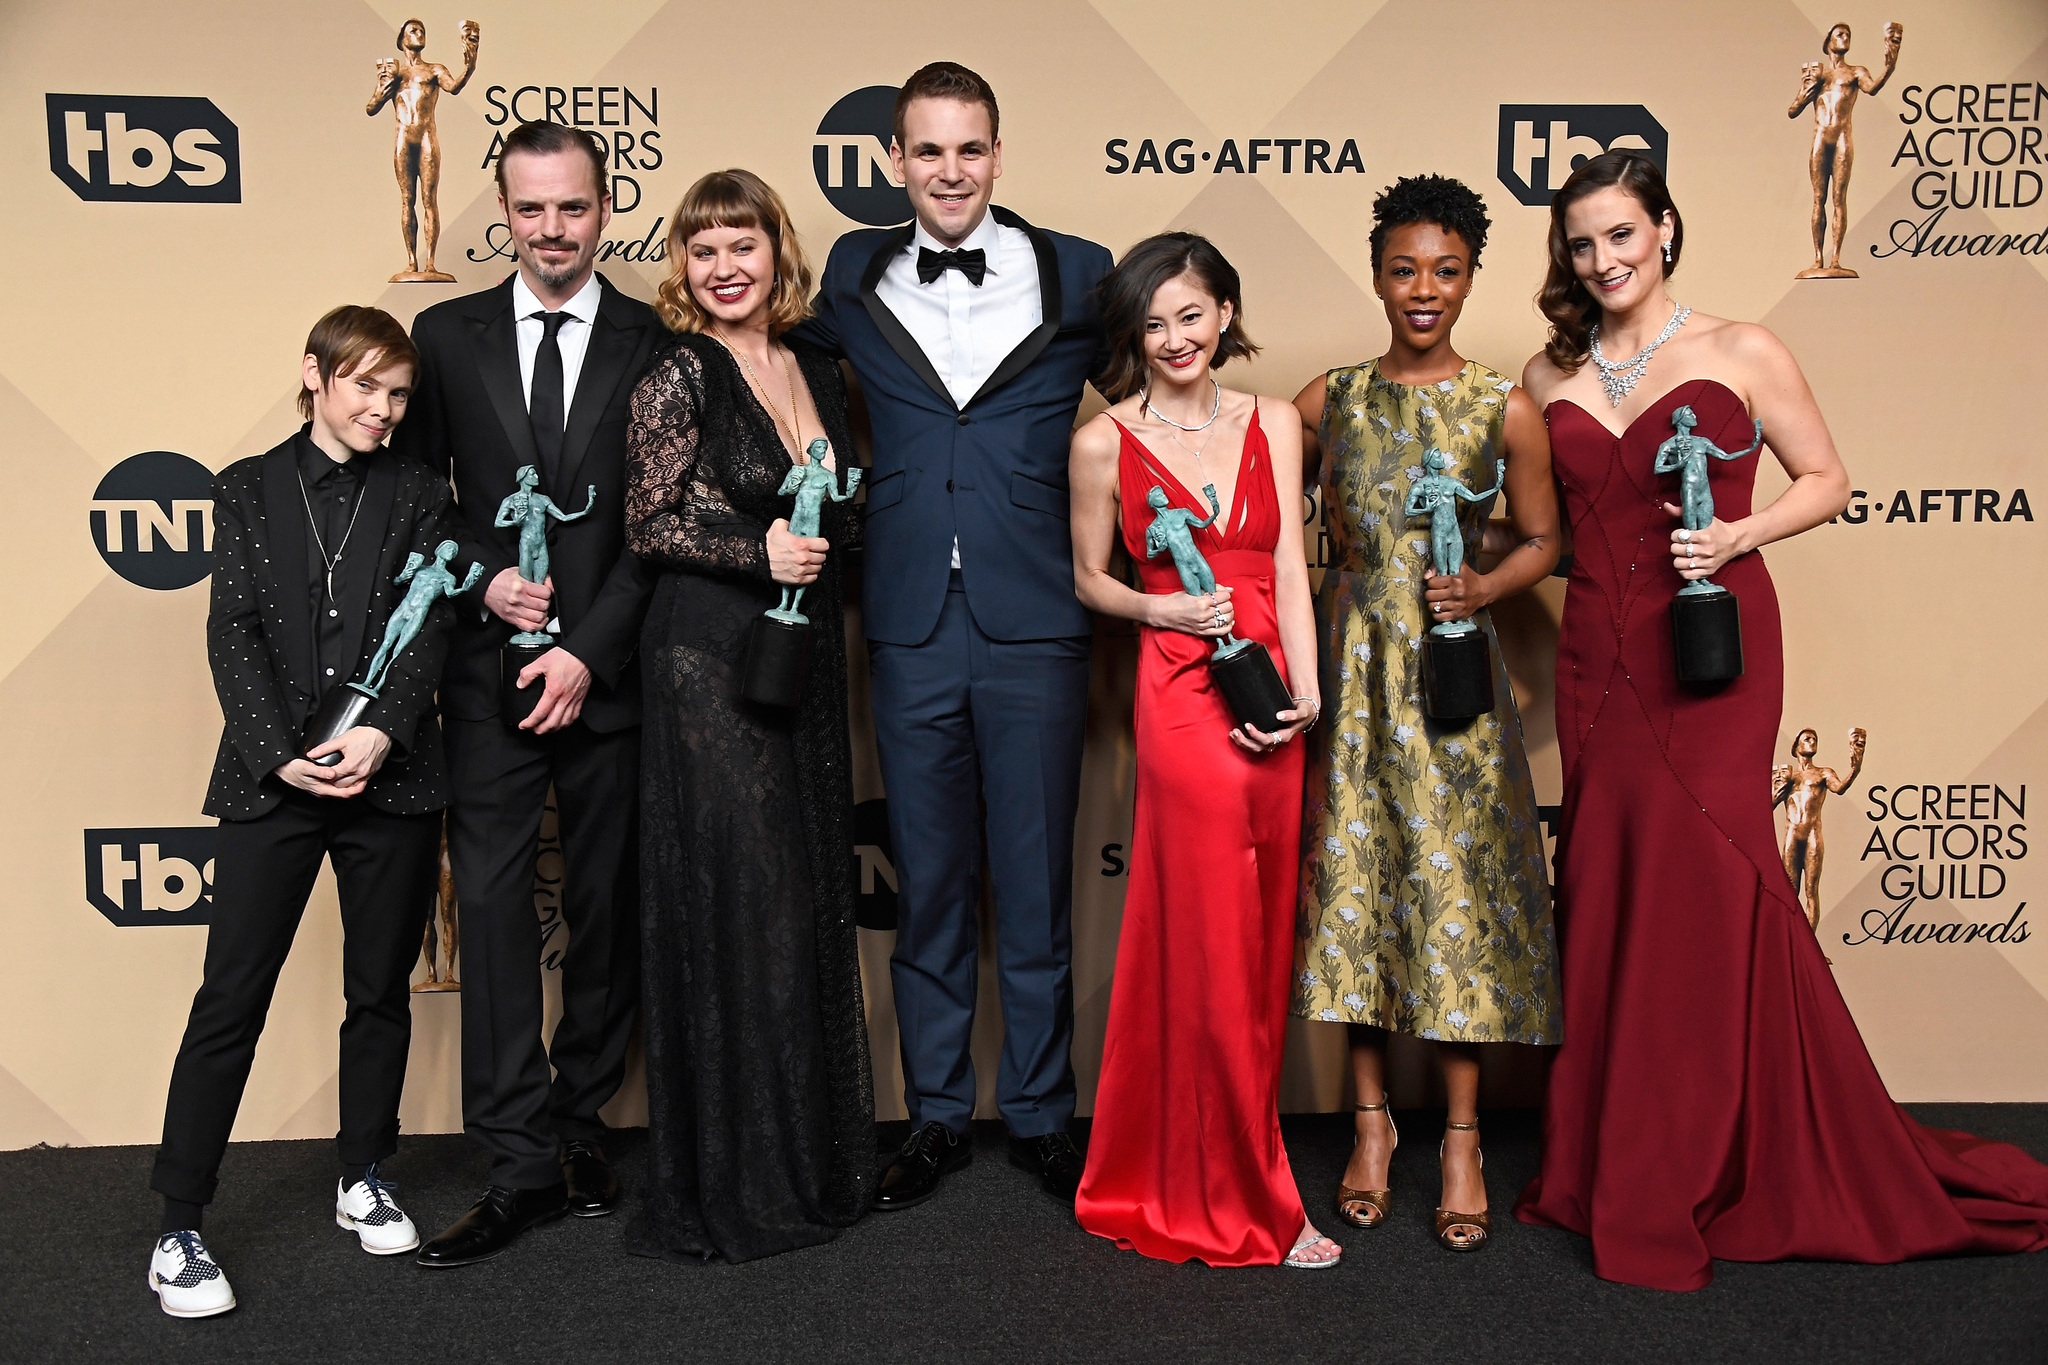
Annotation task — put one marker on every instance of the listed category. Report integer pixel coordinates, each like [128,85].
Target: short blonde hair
[734,199]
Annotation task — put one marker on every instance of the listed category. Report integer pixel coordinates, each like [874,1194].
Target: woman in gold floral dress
[1425,903]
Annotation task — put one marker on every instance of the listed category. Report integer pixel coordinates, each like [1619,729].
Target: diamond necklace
[1619,377]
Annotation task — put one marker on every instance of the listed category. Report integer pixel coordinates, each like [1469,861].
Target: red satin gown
[1185,1160]
[1713,1097]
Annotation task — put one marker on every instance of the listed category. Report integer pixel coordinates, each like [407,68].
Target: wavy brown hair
[1126,293]
[734,199]
[1563,299]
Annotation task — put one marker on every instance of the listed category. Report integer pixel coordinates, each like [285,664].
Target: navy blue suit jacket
[994,472]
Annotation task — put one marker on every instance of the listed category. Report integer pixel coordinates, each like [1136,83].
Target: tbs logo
[150,876]
[155,148]
[1542,144]
[850,157]
[152,520]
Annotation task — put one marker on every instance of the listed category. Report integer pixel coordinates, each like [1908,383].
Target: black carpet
[991,1269]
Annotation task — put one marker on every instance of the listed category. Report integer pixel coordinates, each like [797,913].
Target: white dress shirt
[573,338]
[965,329]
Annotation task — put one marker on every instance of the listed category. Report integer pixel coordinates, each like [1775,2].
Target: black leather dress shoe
[491,1224]
[1054,1159]
[593,1189]
[914,1175]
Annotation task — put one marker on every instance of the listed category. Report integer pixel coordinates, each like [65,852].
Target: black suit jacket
[259,633]
[467,421]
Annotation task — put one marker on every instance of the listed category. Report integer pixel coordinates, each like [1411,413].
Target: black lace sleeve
[677,513]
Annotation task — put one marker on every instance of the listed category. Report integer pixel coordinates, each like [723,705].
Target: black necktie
[932,264]
[544,406]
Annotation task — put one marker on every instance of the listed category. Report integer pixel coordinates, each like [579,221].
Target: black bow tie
[932,264]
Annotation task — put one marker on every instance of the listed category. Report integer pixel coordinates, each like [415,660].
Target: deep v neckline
[774,423]
[1222,523]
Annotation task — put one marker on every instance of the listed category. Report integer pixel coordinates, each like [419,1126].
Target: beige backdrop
[175,326]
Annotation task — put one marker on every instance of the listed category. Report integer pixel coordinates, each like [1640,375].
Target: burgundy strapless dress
[1712,1097]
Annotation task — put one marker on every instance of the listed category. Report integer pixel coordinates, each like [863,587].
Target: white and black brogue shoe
[367,1209]
[185,1279]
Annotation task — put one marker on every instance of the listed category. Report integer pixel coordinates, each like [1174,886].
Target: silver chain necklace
[1619,377]
[1145,400]
[1215,407]
[314,523]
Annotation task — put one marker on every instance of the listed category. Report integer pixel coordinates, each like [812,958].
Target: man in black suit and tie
[539,371]
[310,541]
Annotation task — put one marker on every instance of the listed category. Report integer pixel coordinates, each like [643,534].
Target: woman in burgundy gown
[1185,1160]
[1713,1097]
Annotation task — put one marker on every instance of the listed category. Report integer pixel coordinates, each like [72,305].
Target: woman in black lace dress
[760,1108]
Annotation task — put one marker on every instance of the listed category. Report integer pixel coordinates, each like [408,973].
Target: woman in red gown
[1713,1097]
[1185,1160]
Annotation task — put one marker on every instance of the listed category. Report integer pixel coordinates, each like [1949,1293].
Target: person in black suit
[972,333]
[539,371]
[310,540]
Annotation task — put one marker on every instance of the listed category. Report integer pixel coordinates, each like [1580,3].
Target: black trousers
[387,868]
[502,776]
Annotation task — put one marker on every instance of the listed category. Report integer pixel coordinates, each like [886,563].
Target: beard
[555,277]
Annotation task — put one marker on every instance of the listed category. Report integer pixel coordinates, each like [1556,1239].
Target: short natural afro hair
[1448,203]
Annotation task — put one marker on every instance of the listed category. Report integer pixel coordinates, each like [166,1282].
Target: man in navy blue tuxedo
[972,333]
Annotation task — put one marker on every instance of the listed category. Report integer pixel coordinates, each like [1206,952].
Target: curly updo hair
[1126,296]
[1450,204]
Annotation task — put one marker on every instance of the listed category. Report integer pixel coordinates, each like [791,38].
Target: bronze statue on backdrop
[1803,787]
[1831,87]
[442,943]
[412,85]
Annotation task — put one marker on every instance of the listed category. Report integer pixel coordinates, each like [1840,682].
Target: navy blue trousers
[963,722]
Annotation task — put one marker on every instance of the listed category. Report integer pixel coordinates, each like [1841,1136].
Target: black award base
[1251,686]
[777,656]
[339,712]
[1706,635]
[1457,676]
[516,703]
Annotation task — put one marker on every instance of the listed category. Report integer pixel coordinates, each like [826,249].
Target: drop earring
[1667,253]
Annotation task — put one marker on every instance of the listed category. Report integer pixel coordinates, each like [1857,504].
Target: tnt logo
[1542,144]
[851,158]
[874,904]
[152,518]
[150,876]
[156,148]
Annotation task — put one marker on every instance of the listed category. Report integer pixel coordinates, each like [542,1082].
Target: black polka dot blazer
[259,632]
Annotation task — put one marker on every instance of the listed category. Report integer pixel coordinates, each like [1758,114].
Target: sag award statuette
[1706,619]
[779,644]
[1242,669]
[343,707]
[1457,662]
[413,87]
[529,511]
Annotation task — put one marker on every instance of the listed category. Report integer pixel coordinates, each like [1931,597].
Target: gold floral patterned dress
[1425,902]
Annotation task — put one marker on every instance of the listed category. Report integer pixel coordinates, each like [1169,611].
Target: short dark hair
[349,337]
[947,81]
[1126,293]
[541,138]
[1438,199]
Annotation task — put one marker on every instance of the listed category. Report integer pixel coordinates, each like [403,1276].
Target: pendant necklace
[1215,407]
[1619,377]
[794,426]
[320,545]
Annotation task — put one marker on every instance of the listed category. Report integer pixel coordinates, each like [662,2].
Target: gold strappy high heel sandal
[1368,1208]
[1462,1231]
